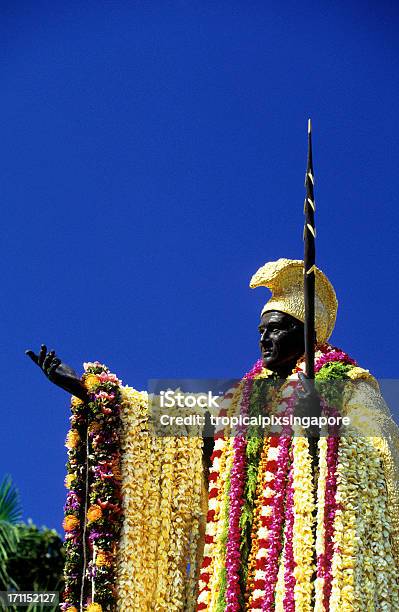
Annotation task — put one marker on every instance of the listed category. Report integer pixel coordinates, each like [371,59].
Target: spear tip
[309,126]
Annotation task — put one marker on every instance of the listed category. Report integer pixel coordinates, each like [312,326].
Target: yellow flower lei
[181,504]
[162,510]
[363,565]
[129,578]
[199,497]
[377,572]
[303,540]
[345,537]
[382,446]
[162,600]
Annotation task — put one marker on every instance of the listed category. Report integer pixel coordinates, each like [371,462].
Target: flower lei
[260,511]
[132,524]
[257,522]
[267,478]
[212,580]
[288,557]
[93,511]
[280,563]
[256,452]
[161,489]
[134,456]
[236,502]
[275,540]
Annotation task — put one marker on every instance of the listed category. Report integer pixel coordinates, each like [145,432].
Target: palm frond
[10,514]
[10,505]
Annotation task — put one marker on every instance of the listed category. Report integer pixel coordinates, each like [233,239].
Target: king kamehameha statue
[298,516]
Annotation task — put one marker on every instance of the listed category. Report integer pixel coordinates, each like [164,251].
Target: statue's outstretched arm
[57,372]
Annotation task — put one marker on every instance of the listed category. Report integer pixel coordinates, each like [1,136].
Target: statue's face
[281,340]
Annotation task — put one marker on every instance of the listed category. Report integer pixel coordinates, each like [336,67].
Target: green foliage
[335,370]
[10,514]
[10,506]
[37,564]
[331,381]
[31,559]
[221,600]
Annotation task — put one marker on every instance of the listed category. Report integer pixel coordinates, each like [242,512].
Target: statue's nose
[264,336]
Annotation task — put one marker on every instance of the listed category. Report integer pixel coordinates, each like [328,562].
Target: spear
[309,260]
[309,236]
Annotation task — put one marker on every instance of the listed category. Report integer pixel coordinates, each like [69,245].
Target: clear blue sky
[152,158]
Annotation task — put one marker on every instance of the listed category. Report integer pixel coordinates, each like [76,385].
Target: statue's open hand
[59,373]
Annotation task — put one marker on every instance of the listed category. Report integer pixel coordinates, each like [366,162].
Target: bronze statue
[303,520]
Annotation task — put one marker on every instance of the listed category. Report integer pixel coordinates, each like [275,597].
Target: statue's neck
[283,373]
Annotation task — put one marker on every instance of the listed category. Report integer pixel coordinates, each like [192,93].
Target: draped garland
[162,494]
[264,521]
[93,509]
[134,506]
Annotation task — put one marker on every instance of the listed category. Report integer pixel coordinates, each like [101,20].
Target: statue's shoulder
[328,355]
[362,389]
[358,374]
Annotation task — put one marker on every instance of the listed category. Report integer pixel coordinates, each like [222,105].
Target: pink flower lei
[237,482]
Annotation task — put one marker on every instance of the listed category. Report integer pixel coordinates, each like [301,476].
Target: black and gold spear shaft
[309,260]
[309,236]
[309,282]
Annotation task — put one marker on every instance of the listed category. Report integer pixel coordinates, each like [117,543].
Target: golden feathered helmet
[284,278]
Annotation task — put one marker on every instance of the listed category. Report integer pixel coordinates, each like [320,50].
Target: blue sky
[152,158]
